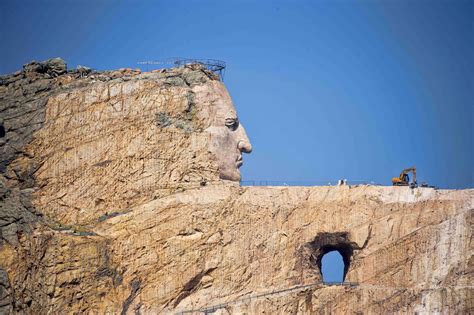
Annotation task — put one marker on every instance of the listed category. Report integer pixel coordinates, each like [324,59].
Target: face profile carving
[228,137]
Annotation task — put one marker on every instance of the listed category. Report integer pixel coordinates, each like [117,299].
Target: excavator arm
[408,170]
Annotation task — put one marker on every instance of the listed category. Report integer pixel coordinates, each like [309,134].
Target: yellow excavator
[404,179]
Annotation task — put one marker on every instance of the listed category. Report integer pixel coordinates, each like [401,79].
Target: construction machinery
[404,179]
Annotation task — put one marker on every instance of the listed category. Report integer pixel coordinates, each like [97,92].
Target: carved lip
[239,161]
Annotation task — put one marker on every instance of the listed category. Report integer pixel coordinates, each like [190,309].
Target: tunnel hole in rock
[2,131]
[325,243]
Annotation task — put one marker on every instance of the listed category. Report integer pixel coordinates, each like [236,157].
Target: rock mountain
[119,194]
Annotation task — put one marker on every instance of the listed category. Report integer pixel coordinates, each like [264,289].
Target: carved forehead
[214,103]
[224,108]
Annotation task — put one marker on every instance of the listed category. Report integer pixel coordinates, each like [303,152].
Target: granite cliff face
[113,200]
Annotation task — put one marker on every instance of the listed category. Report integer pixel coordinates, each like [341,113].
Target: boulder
[54,67]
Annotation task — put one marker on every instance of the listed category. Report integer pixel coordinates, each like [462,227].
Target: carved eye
[232,123]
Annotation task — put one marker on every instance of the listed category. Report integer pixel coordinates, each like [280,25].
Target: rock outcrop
[114,199]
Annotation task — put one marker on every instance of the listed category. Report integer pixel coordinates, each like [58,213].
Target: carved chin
[230,174]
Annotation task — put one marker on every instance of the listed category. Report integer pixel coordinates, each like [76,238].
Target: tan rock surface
[242,242]
[112,203]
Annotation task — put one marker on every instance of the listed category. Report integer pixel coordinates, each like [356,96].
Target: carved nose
[244,146]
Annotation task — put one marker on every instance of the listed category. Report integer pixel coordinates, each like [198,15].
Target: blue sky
[325,89]
[332,267]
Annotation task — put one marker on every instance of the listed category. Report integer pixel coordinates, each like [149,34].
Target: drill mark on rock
[109,271]
[191,286]
[135,287]
[103,163]
[369,236]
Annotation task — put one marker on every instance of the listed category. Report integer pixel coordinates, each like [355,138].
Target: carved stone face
[228,137]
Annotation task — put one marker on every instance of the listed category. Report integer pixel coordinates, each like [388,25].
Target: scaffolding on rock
[214,65]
